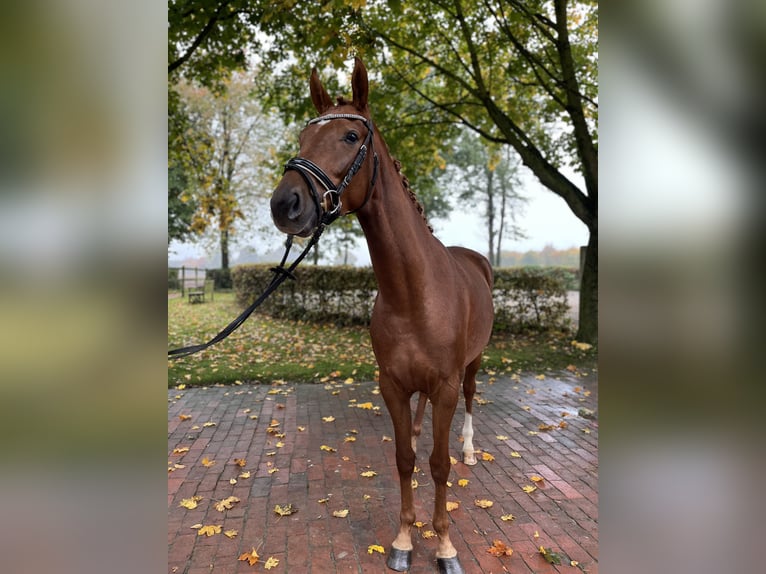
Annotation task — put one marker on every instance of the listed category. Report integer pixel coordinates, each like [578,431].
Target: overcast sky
[546,220]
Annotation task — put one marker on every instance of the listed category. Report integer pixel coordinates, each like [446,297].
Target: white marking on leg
[468,454]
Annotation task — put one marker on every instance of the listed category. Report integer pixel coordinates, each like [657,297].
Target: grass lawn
[264,349]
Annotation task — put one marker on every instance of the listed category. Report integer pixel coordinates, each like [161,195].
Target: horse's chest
[408,347]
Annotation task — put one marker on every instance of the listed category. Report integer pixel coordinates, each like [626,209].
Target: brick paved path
[563,510]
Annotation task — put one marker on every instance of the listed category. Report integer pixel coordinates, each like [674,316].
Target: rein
[325,216]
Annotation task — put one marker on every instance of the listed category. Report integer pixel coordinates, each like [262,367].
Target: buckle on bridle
[334,201]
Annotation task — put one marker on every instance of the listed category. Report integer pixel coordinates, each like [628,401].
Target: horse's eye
[352,137]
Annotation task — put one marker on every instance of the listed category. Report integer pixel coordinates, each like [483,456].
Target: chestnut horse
[433,314]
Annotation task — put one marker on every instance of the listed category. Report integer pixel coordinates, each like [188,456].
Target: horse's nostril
[294,207]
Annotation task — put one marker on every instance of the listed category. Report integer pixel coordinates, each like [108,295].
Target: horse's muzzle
[292,210]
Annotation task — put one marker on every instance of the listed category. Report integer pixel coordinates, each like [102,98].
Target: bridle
[330,205]
[328,210]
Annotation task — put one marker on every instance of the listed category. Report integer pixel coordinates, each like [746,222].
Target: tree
[486,171]
[518,73]
[228,148]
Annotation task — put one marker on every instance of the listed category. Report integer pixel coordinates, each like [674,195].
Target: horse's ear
[319,96]
[360,85]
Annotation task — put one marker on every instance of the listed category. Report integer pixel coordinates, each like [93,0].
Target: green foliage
[181,206]
[525,299]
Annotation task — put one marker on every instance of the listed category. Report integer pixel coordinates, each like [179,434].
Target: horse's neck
[403,251]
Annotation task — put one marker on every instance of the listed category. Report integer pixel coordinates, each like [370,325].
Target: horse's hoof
[399,560]
[450,566]
[469,459]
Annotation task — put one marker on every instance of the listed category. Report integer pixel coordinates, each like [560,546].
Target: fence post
[183,280]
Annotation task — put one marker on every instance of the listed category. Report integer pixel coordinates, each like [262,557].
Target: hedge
[526,298]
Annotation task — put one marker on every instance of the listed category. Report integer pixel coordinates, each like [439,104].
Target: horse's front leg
[398,403]
[443,410]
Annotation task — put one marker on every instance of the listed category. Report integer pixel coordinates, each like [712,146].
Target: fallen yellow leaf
[369,473]
[452,460]
[486,456]
[181,450]
[536,534]
[483,503]
[230,533]
[507,517]
[226,503]
[232,481]
[328,419]
[273,470]
[285,510]
[251,557]
[529,488]
[190,503]
[375,548]
[208,424]
[206,462]
[340,513]
[240,461]
[271,563]
[419,524]
[386,439]
[328,448]
[499,549]
[452,506]
[515,454]
[245,474]
[463,482]
[184,417]
[581,346]
[535,478]
[502,437]
[209,530]
[349,439]
[428,534]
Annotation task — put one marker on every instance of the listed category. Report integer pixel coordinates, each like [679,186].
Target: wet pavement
[307,445]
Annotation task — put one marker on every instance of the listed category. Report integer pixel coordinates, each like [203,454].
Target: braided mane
[411,193]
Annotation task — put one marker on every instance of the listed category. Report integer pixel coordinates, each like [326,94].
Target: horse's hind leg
[469,389]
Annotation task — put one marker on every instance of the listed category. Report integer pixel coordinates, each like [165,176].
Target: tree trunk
[501,230]
[587,331]
[224,249]
[490,216]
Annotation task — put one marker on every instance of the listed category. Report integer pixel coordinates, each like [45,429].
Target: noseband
[329,207]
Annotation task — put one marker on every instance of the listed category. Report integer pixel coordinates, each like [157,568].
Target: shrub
[525,298]
[530,298]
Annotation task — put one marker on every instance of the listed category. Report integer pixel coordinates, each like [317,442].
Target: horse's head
[335,169]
